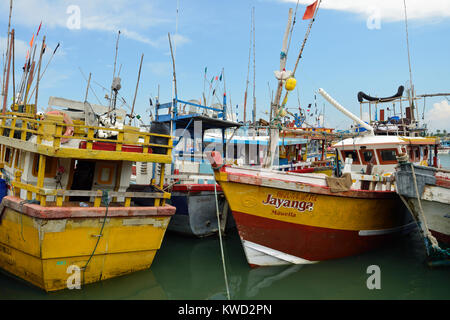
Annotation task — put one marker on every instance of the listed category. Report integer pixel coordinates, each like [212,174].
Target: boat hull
[279,224]
[433,186]
[46,245]
[196,212]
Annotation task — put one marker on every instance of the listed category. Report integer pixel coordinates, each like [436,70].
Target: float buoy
[69,129]
[290,84]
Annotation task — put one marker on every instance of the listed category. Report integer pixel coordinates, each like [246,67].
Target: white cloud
[439,116]
[135,19]
[160,68]
[20,48]
[388,10]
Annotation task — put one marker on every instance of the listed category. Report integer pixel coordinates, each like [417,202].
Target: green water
[187,268]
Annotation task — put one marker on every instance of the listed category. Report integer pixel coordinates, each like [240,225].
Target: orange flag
[32,41]
[309,12]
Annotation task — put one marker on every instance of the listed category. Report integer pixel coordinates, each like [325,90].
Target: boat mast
[135,93]
[254,74]
[273,136]
[411,96]
[248,68]
[8,57]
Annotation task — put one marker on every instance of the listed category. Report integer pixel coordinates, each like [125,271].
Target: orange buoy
[69,129]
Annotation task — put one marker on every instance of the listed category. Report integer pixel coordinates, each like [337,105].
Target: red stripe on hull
[443,182]
[441,237]
[195,187]
[306,242]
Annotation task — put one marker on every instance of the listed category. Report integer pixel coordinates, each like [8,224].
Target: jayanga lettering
[285,203]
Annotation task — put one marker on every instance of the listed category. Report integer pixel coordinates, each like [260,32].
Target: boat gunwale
[50,213]
[318,189]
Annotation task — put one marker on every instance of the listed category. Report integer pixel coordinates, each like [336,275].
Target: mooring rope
[105,201]
[221,244]
[430,239]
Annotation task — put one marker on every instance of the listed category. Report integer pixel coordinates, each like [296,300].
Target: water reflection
[187,268]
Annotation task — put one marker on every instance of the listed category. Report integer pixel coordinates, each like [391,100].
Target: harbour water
[187,269]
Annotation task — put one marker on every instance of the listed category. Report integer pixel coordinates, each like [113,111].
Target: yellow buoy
[290,84]
[282,112]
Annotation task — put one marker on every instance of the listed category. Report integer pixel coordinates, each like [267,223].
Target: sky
[353,46]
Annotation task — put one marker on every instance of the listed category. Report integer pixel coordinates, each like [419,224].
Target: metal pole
[39,71]
[137,85]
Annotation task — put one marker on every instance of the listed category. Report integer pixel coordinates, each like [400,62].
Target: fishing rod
[39,71]
[29,67]
[45,69]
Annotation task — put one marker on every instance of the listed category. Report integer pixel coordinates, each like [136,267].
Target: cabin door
[83,177]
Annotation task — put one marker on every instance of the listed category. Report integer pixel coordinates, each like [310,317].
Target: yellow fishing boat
[68,217]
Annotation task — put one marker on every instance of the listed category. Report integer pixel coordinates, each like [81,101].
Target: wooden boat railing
[53,131]
[48,143]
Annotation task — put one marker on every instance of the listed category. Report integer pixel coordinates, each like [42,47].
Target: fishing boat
[67,202]
[190,178]
[426,192]
[297,151]
[444,148]
[286,217]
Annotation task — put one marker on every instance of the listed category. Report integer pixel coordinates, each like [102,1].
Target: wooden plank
[91,193]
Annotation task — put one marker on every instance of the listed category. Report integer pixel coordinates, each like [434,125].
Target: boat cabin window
[366,155]
[414,154]
[105,173]
[387,156]
[353,154]
[50,166]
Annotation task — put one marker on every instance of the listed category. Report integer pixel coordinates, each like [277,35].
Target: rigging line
[407,45]
[89,85]
[254,72]
[220,241]
[292,28]
[248,68]
[118,94]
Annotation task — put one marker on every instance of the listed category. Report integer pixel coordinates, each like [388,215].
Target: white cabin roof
[384,140]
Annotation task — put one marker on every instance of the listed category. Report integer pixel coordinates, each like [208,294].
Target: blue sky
[353,46]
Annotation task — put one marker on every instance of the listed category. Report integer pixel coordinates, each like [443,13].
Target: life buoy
[69,129]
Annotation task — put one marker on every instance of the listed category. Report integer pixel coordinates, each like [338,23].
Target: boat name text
[286,203]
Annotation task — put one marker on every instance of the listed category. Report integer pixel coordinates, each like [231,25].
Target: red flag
[309,12]
[39,29]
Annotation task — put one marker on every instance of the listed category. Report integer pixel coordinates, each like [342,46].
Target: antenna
[412,94]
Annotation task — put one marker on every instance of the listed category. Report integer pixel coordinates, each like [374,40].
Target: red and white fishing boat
[285,217]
